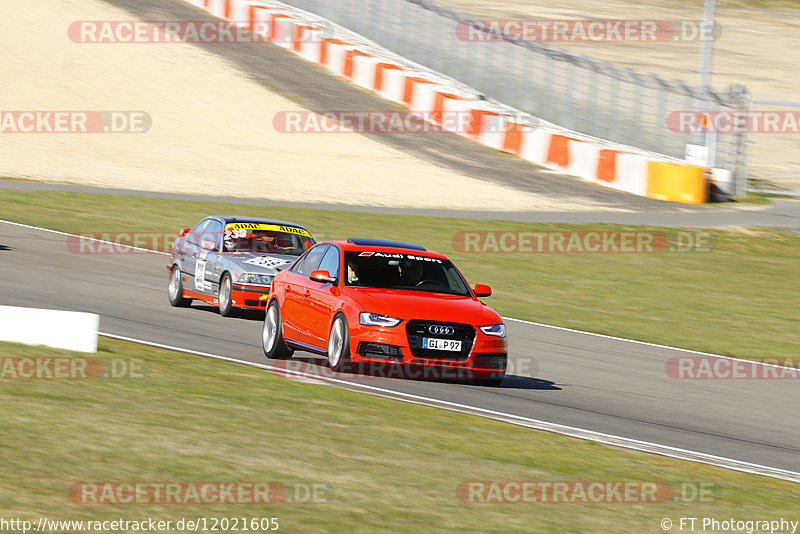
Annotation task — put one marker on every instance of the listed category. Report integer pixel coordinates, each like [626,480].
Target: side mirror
[183,232]
[482,290]
[322,277]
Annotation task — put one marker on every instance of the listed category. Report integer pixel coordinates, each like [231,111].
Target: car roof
[238,218]
[382,245]
[367,242]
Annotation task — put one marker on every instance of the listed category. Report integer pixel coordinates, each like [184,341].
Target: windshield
[266,239]
[404,271]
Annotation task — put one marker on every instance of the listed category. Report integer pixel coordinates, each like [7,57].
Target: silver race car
[229,262]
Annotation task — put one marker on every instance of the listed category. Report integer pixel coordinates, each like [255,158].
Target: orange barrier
[379,68]
[513,139]
[438,106]
[323,48]
[475,125]
[408,93]
[558,154]
[607,165]
[299,36]
[348,62]
[254,18]
[678,182]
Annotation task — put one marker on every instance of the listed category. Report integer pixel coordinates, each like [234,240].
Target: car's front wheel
[226,308]
[272,334]
[339,345]
[175,289]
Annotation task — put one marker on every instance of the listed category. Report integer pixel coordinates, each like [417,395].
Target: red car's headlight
[375,319]
[498,330]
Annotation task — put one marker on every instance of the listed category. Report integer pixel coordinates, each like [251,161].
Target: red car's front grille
[416,330]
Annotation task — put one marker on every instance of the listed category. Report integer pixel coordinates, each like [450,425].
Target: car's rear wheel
[489,379]
[272,334]
[226,308]
[339,345]
[175,289]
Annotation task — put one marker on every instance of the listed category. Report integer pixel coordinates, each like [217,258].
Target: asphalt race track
[589,382]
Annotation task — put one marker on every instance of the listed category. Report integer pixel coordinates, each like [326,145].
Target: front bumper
[392,347]
[249,297]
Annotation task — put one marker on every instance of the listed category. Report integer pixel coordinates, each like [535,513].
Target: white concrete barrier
[723,179]
[54,328]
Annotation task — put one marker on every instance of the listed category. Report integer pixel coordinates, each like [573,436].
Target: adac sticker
[270,227]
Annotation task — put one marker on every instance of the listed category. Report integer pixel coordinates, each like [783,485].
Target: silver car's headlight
[375,319]
[498,330]
[255,278]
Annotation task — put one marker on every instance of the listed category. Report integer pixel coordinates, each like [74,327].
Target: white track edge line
[543,325]
[606,439]
[151,251]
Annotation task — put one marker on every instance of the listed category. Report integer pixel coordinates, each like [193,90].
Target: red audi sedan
[373,301]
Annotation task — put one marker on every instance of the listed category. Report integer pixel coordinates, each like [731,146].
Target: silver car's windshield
[266,241]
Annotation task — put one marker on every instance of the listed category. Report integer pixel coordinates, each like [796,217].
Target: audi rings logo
[441,330]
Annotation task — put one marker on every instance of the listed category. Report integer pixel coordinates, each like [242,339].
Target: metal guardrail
[576,92]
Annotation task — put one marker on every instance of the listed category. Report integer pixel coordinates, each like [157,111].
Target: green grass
[740,298]
[393,467]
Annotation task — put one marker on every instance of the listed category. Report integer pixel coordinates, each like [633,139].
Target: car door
[207,265]
[200,243]
[189,253]
[295,311]
[323,297]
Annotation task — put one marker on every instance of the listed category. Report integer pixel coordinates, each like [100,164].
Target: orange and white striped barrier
[618,167]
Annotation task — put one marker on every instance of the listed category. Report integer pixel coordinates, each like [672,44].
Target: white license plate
[440,344]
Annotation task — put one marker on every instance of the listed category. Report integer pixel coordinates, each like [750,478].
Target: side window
[295,268]
[212,235]
[330,262]
[194,236]
[312,259]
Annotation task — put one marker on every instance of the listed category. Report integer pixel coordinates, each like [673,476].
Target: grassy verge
[391,466]
[738,298]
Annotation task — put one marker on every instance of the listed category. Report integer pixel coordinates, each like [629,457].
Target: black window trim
[306,253]
[337,276]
